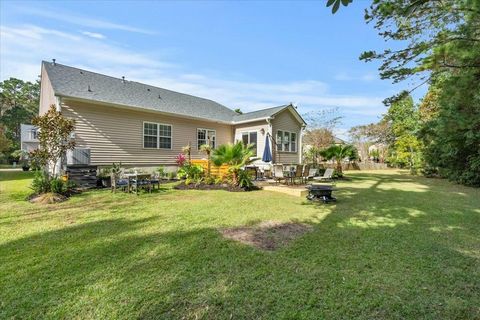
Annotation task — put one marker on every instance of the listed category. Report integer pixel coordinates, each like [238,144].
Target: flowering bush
[180,160]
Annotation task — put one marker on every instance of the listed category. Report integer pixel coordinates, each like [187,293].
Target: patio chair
[306,170]
[278,174]
[327,176]
[299,173]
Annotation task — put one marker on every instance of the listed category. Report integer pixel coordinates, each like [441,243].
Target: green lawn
[395,246]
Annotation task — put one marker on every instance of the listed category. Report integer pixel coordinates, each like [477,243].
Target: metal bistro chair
[306,170]
[278,173]
[298,173]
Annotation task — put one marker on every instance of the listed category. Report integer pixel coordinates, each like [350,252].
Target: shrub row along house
[141,125]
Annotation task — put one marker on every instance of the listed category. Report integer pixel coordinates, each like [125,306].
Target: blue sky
[244,55]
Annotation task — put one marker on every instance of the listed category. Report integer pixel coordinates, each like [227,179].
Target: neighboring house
[29,137]
[141,125]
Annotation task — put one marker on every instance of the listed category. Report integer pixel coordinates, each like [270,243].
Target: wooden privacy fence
[220,171]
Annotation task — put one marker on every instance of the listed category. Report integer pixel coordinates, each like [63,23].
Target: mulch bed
[204,186]
[269,235]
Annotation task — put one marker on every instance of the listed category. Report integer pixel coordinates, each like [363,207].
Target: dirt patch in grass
[204,186]
[268,235]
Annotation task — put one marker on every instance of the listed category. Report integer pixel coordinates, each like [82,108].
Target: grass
[395,246]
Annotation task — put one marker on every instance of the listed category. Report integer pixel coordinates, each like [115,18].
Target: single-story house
[141,125]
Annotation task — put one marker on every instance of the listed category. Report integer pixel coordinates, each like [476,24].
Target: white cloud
[94,35]
[24,47]
[80,20]
[343,76]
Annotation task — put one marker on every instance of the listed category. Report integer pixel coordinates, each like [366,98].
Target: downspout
[58,166]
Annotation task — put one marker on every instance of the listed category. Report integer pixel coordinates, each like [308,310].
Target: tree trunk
[339,166]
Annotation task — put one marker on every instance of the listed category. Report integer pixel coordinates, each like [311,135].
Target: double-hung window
[157,135]
[206,136]
[250,138]
[286,141]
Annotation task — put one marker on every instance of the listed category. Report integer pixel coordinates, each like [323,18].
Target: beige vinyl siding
[47,96]
[114,134]
[286,121]
[250,127]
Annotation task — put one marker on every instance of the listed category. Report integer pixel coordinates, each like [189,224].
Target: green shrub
[41,182]
[209,180]
[161,172]
[245,180]
[171,175]
[190,171]
[58,186]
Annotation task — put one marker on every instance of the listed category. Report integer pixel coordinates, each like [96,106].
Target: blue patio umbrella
[267,154]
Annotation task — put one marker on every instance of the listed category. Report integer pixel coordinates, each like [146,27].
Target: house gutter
[141,109]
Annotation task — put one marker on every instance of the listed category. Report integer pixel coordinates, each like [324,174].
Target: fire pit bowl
[318,192]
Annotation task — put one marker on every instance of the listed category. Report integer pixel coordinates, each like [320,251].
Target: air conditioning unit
[78,156]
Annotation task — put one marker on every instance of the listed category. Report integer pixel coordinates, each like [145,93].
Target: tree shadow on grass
[135,268]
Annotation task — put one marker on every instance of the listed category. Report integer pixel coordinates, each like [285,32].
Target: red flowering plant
[180,160]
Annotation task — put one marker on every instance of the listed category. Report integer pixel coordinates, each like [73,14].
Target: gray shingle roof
[75,83]
[259,114]
[82,84]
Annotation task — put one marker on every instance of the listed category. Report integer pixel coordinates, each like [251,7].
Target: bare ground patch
[268,235]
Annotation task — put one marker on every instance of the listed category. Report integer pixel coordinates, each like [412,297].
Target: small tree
[54,138]
[207,149]
[187,150]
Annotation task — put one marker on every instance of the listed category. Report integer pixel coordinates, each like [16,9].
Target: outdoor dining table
[137,177]
[289,174]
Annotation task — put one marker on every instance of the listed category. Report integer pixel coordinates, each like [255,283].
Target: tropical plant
[54,138]
[58,186]
[245,180]
[189,171]
[180,160]
[235,155]
[207,149]
[339,153]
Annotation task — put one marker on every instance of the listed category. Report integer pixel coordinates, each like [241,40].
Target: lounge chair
[327,176]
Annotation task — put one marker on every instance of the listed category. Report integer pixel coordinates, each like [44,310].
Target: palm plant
[338,153]
[207,149]
[235,156]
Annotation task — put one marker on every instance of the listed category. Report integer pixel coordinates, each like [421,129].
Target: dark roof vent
[123,79]
[159,97]
[54,62]
[89,90]
[148,89]
[81,72]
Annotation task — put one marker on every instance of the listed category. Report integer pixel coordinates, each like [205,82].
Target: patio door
[250,138]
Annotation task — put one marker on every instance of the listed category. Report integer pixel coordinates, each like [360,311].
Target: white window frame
[282,141]
[206,137]
[249,142]
[158,135]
